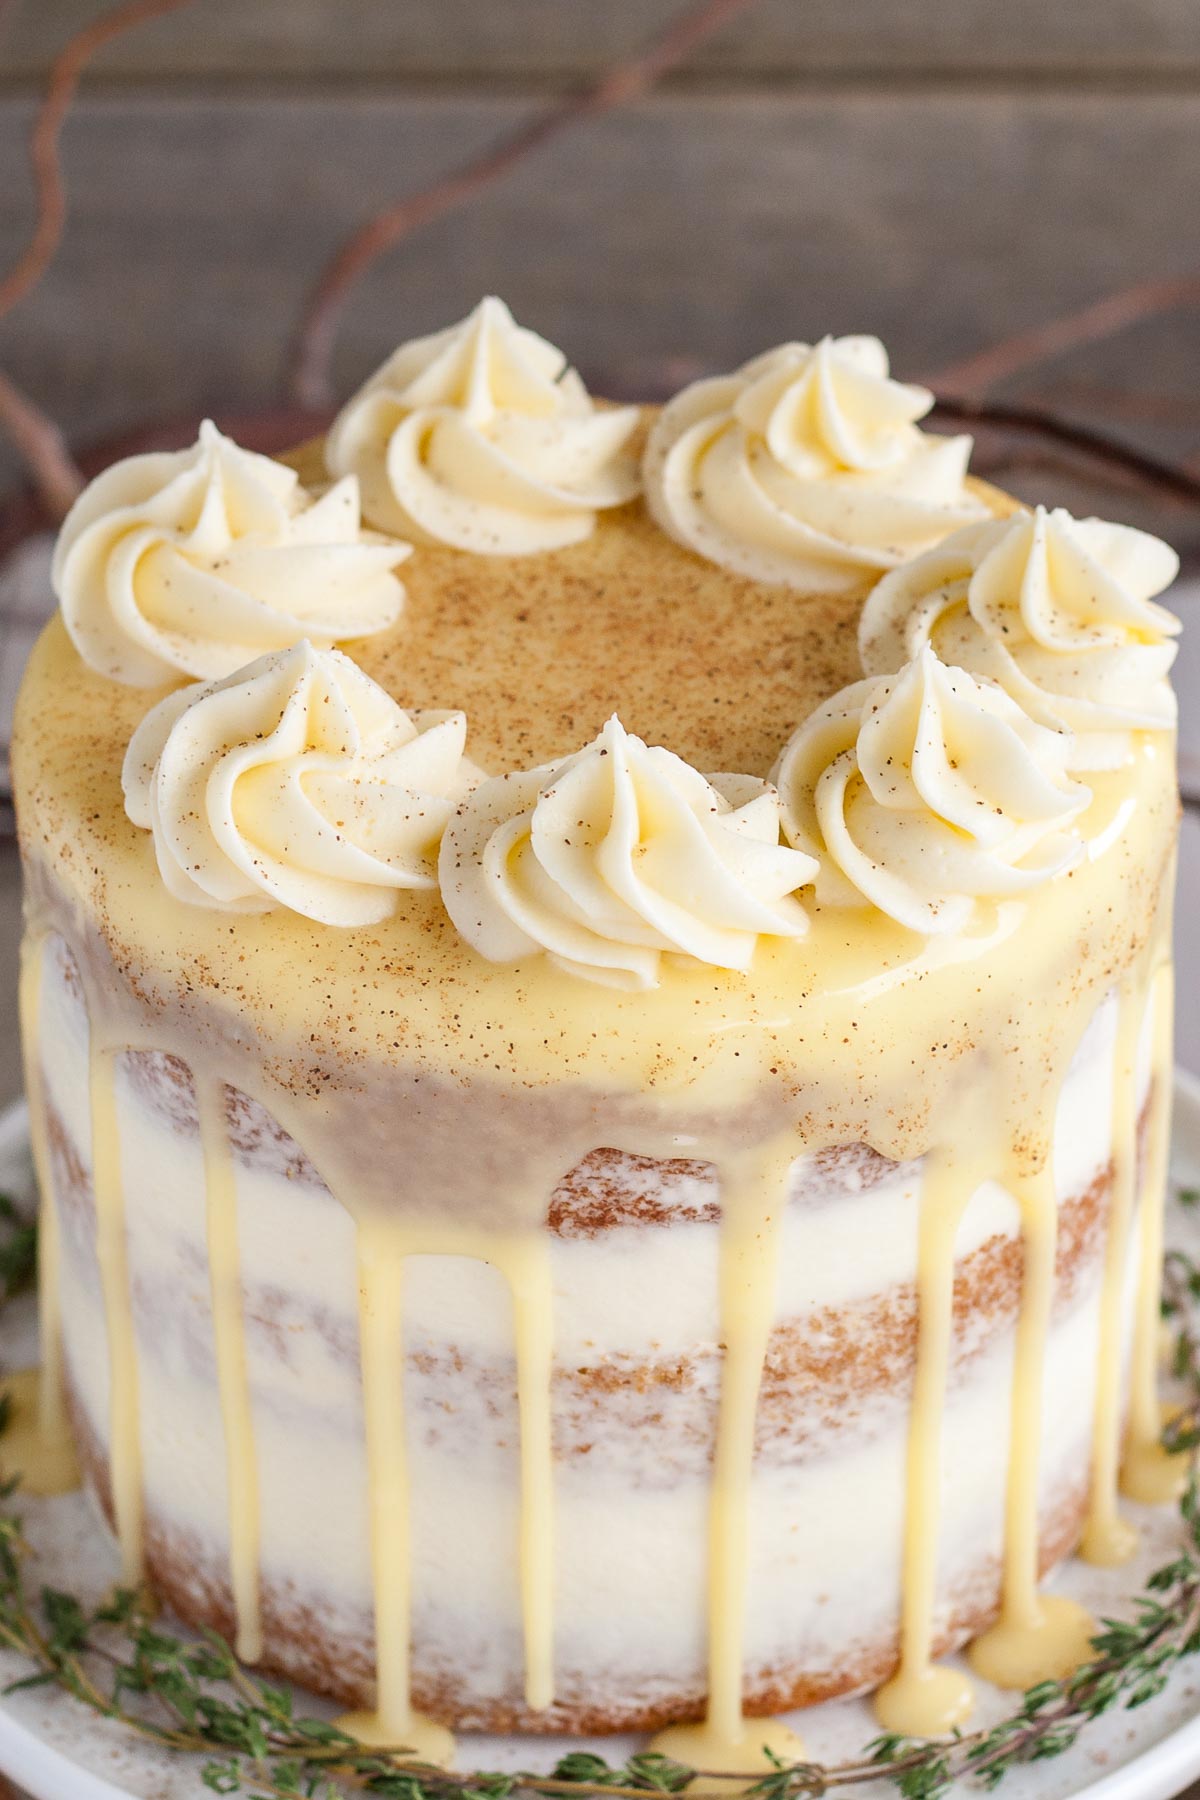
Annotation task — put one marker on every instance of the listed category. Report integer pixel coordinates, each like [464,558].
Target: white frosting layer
[620,1548]
[483,437]
[616,855]
[193,562]
[926,791]
[297,782]
[1058,611]
[806,467]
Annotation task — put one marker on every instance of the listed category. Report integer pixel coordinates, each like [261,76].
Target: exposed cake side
[635,1396]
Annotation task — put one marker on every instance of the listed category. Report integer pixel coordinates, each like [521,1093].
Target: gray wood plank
[480,39]
[679,236]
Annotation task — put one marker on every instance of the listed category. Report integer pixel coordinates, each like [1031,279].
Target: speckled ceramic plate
[57,1750]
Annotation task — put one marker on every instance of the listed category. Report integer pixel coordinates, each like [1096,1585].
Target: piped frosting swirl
[806,467]
[924,792]
[299,783]
[483,437]
[1058,611]
[618,855]
[193,562]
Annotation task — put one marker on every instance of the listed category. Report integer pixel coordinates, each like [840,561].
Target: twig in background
[57,479]
[40,445]
[1001,460]
[1167,477]
[312,346]
[36,437]
[1103,318]
[61,86]
[1143,404]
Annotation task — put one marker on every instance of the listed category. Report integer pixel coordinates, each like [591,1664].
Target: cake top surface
[834,1022]
[777,736]
[538,651]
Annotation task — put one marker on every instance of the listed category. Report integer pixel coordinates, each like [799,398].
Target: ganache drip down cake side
[597,1009]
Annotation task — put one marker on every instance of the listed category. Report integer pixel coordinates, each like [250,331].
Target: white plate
[59,1750]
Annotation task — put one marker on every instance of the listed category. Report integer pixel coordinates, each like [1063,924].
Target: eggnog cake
[597,1011]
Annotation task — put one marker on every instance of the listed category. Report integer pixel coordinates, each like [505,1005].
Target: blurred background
[943,173]
[199,213]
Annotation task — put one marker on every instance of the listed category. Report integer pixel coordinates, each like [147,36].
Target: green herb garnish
[193,1696]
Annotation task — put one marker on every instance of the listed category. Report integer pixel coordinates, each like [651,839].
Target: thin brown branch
[34,434]
[39,443]
[1037,422]
[1022,461]
[65,74]
[1102,318]
[1144,404]
[312,346]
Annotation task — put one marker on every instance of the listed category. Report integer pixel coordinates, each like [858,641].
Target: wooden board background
[523,39]
[942,172]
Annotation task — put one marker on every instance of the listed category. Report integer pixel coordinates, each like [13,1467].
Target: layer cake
[597,1007]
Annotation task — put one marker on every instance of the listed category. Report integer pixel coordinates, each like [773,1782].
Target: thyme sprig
[18,1260]
[192,1695]
[18,1248]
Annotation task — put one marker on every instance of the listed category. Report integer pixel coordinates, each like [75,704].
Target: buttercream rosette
[806,466]
[484,438]
[193,562]
[1057,611]
[296,782]
[617,856]
[925,792]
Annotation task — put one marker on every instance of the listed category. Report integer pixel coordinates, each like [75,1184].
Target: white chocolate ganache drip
[192,562]
[297,782]
[37,1439]
[925,792]
[1149,1472]
[483,437]
[617,855]
[232,1369]
[1058,611]
[807,467]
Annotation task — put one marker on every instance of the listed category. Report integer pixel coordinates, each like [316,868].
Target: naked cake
[597,1009]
